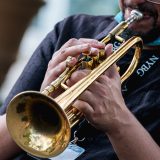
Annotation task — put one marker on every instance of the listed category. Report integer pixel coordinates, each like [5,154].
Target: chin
[142,28]
[145,34]
[139,31]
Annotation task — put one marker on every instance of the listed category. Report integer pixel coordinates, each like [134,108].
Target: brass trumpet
[41,125]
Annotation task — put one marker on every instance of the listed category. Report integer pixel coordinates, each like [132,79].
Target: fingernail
[94,51]
[85,46]
[101,43]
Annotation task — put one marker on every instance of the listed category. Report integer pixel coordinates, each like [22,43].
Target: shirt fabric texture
[142,96]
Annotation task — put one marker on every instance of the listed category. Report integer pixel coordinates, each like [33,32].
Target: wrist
[124,121]
[7,144]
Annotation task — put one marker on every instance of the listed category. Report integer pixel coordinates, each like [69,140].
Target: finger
[53,73]
[74,41]
[69,62]
[103,79]
[83,107]
[109,49]
[112,70]
[69,43]
[83,45]
[88,97]
[73,51]
[92,42]
[76,76]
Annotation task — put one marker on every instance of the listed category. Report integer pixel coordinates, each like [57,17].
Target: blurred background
[24,24]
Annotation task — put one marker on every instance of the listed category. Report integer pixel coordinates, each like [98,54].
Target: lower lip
[145,21]
[146,18]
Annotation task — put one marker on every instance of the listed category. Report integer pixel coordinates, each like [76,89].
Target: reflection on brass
[41,125]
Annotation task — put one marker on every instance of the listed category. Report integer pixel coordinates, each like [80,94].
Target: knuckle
[94,41]
[72,41]
[83,73]
[63,51]
[83,47]
[48,75]
[108,80]
[50,64]
[88,40]
[104,92]
[81,39]
[93,119]
[55,54]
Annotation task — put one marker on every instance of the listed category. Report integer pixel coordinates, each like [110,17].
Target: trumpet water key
[41,125]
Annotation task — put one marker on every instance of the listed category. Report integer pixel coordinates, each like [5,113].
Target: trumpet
[41,125]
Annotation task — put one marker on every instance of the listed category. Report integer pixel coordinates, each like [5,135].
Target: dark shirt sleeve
[73,26]
[33,74]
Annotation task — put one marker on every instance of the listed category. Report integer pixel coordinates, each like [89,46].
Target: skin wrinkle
[110,116]
[70,43]
[84,107]
[63,51]
[101,92]
[55,71]
[87,94]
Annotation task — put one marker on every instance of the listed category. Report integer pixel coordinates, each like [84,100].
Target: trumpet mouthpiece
[134,16]
[137,14]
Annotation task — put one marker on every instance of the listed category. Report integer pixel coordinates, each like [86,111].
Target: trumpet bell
[37,126]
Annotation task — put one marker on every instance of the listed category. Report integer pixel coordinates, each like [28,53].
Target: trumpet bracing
[41,125]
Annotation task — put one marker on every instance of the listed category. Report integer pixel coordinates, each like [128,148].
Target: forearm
[133,142]
[7,147]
